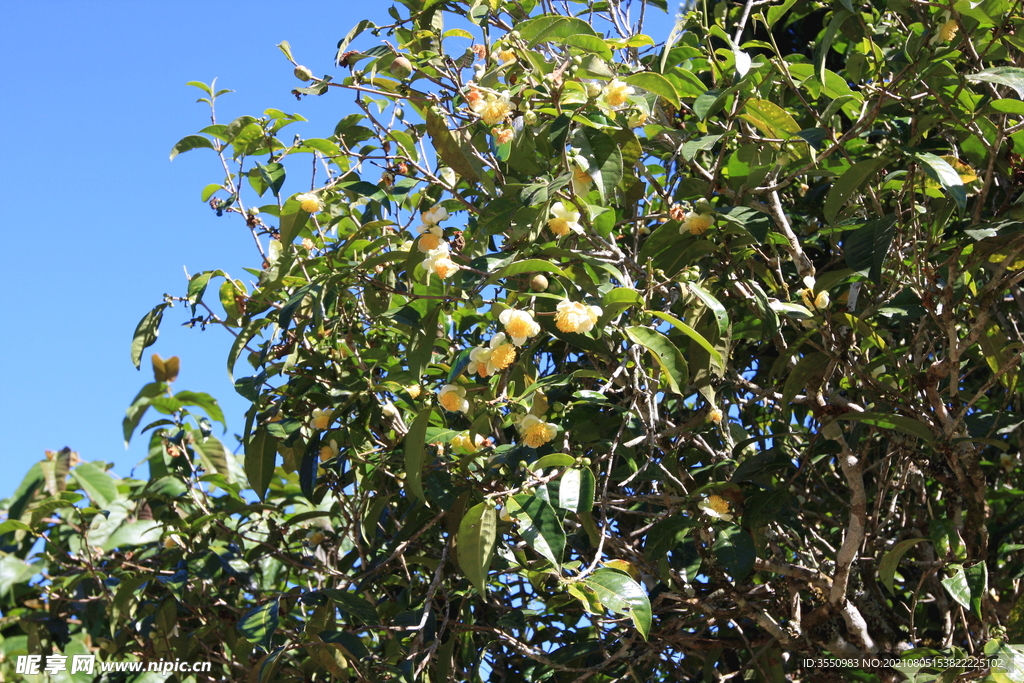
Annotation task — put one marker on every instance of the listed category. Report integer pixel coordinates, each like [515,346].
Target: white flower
[696,223]
[576,317]
[564,220]
[329,451]
[615,94]
[520,325]
[431,237]
[536,432]
[435,215]
[439,262]
[452,398]
[581,182]
[463,445]
[717,507]
[310,203]
[492,109]
[498,355]
[321,419]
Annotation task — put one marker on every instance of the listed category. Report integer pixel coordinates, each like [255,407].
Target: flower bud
[303,73]
[539,283]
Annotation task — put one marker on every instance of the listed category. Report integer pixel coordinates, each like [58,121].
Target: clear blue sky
[98,223]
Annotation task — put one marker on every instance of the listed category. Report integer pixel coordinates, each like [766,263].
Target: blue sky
[98,223]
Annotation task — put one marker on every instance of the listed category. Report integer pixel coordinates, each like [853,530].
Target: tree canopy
[581,353]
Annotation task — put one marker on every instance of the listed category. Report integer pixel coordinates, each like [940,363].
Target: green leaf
[285,47]
[701,144]
[977,582]
[693,334]
[621,594]
[552,26]
[777,11]
[604,156]
[957,586]
[907,425]
[849,184]
[891,560]
[205,401]
[349,37]
[350,642]
[822,47]
[809,367]
[770,119]
[97,483]
[14,571]
[939,170]
[422,345]
[668,356]
[146,333]
[260,460]
[134,534]
[720,316]
[539,526]
[1011,76]
[190,142]
[734,550]
[138,408]
[532,265]
[665,535]
[259,624]
[655,83]
[477,536]
[415,446]
[866,247]
[353,605]
[273,175]
[569,489]
[456,150]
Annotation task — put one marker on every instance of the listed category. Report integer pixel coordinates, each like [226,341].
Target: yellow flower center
[503,356]
[519,325]
[559,226]
[538,434]
[451,401]
[718,504]
[428,241]
[322,421]
[573,317]
[698,223]
[948,31]
[445,268]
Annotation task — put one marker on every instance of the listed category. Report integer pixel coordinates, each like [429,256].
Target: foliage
[580,356]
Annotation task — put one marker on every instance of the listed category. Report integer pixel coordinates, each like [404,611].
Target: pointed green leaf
[621,594]
[693,334]
[259,624]
[260,460]
[190,142]
[938,169]
[98,483]
[734,550]
[956,585]
[569,490]
[604,156]
[415,446]
[849,184]
[477,536]
[721,316]
[866,247]
[146,333]
[668,356]
[891,560]
[1011,76]
[539,526]
[907,425]
[770,119]
[977,582]
[655,83]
